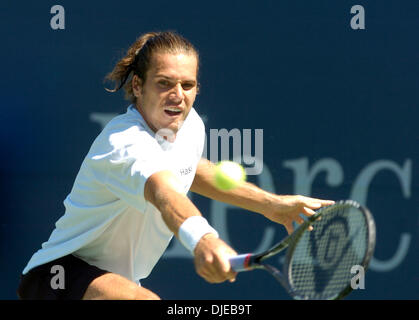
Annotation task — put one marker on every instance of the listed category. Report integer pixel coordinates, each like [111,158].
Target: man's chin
[170,131]
[175,126]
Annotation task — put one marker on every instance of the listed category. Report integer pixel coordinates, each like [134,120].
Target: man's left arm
[283,209]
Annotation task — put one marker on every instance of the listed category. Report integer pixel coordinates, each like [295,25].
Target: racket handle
[240,262]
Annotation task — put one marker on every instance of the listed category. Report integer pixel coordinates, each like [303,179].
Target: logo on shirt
[185,171]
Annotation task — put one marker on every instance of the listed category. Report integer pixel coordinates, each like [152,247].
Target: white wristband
[192,230]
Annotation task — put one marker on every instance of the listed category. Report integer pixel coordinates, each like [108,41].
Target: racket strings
[321,263]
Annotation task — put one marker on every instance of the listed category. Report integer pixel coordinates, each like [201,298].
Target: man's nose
[178,91]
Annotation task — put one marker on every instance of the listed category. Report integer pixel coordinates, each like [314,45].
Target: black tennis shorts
[66,278]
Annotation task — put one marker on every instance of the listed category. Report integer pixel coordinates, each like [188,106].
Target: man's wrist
[192,230]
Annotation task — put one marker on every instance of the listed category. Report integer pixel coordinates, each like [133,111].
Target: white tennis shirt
[107,221]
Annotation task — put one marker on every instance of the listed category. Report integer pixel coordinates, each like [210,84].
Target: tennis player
[129,197]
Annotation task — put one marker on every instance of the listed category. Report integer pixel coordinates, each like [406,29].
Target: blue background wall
[329,97]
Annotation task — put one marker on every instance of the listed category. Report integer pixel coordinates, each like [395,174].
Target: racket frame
[371,236]
[255,261]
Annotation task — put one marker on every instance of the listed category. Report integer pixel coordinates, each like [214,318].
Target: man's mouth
[173,111]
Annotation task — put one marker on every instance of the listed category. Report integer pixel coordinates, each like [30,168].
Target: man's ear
[137,86]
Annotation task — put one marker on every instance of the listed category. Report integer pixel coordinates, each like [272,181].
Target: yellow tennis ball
[229,175]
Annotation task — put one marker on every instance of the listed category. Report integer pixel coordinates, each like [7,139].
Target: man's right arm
[211,254]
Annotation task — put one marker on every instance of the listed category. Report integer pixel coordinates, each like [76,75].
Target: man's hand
[281,209]
[287,209]
[212,259]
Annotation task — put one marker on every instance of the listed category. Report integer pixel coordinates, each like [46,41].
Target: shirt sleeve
[125,169]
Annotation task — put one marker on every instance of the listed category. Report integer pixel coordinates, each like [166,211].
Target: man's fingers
[308,212]
[289,227]
[327,202]
[324,202]
[218,277]
[317,203]
[229,273]
[232,279]
[299,220]
[216,267]
[206,275]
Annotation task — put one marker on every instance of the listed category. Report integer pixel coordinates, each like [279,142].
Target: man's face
[167,95]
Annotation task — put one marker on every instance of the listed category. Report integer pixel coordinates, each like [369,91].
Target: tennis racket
[318,263]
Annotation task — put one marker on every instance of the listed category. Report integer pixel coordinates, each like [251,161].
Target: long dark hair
[138,57]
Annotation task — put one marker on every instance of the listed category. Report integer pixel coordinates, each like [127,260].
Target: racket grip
[240,262]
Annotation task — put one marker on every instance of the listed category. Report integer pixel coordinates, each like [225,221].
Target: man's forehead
[169,64]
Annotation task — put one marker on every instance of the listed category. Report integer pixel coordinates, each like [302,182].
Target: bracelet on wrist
[192,230]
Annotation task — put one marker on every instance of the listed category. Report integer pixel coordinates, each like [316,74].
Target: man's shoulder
[194,121]
[127,125]
[124,132]
[126,120]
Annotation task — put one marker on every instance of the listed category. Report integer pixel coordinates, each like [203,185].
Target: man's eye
[188,86]
[164,83]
